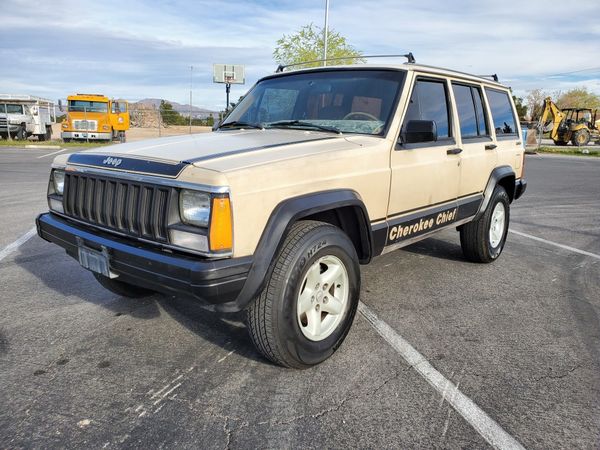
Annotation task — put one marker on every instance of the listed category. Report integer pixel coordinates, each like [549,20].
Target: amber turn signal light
[221,232]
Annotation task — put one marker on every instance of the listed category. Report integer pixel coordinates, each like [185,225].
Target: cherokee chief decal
[422,225]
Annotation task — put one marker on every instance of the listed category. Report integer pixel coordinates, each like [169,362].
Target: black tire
[475,236]
[66,140]
[46,136]
[581,138]
[122,138]
[22,133]
[272,317]
[561,143]
[121,288]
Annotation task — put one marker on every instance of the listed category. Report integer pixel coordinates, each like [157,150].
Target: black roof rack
[409,56]
[492,76]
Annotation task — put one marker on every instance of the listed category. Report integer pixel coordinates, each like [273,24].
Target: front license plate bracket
[94,260]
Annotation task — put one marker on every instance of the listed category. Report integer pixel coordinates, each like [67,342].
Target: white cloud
[145,49]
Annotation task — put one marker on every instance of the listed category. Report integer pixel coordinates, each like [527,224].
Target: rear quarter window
[503,116]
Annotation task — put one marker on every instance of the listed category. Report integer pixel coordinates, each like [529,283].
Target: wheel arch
[503,176]
[340,207]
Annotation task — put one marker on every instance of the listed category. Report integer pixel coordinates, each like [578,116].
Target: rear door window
[471,116]
[429,101]
[502,113]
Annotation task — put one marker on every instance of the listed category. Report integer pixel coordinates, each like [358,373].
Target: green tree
[535,103]
[578,98]
[307,45]
[170,116]
[521,108]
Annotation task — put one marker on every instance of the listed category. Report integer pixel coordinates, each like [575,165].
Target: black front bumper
[216,283]
[520,187]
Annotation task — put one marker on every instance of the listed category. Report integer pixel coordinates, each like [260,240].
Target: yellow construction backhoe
[577,125]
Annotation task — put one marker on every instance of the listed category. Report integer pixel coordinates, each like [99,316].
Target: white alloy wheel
[323,298]
[497,224]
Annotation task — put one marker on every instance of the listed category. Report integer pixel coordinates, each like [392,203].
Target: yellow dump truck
[95,117]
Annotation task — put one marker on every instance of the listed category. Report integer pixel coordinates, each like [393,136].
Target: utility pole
[325,32]
[191,73]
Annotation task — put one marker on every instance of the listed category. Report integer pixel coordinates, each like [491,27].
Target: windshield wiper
[302,124]
[236,124]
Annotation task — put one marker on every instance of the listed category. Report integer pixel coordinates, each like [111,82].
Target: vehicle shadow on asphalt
[62,274]
[437,248]
[226,330]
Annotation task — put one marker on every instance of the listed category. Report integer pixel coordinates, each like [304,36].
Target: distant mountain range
[184,110]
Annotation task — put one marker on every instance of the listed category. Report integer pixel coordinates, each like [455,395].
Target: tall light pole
[325,32]
[191,73]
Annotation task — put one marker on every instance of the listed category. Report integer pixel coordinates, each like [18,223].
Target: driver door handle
[454,151]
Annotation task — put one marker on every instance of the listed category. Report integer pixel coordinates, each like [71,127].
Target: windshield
[85,106]
[351,101]
[11,109]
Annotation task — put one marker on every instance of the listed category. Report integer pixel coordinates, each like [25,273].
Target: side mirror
[216,125]
[419,131]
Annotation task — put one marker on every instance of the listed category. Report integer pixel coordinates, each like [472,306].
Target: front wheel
[483,239]
[22,133]
[306,309]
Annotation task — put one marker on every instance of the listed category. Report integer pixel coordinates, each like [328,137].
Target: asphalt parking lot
[81,367]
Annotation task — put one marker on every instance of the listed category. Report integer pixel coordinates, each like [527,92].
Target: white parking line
[15,245]
[487,427]
[556,244]
[53,153]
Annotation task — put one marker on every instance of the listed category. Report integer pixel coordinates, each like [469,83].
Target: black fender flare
[283,216]
[497,175]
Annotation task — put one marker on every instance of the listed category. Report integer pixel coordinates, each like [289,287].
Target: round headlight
[194,207]
[59,181]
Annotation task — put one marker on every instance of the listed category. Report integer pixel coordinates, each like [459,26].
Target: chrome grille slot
[128,207]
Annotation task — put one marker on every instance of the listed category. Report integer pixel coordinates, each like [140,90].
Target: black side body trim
[431,219]
[143,166]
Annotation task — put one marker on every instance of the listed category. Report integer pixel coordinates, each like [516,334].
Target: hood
[194,148]
[220,151]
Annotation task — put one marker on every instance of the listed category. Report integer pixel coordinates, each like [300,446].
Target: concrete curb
[51,147]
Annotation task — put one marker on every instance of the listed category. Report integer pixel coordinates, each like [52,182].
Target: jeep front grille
[136,209]
[3,122]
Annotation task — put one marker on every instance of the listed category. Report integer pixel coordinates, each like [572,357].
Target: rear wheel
[306,309]
[122,288]
[483,239]
[581,137]
[561,143]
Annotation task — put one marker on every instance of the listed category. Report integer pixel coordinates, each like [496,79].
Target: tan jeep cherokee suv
[313,173]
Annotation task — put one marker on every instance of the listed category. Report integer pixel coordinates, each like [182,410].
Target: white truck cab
[22,116]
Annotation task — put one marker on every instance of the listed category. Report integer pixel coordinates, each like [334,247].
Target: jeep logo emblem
[115,162]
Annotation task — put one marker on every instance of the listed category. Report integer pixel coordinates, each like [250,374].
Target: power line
[574,71]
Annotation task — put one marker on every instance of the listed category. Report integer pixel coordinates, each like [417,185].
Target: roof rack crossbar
[492,76]
[409,56]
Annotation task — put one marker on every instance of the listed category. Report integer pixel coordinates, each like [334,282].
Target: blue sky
[144,48]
